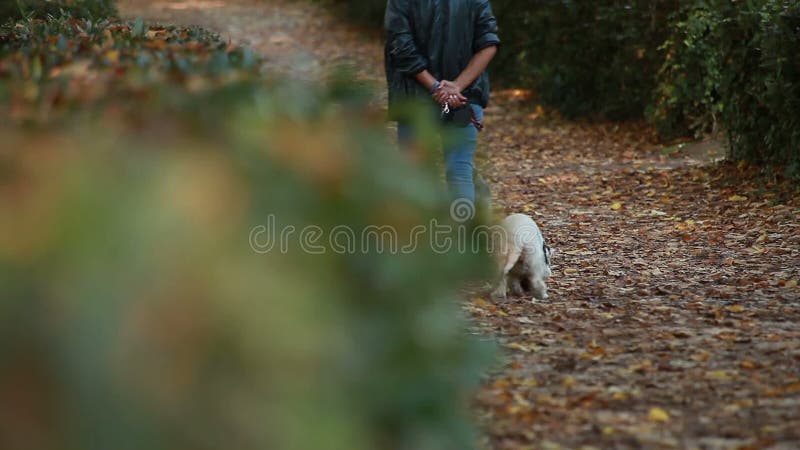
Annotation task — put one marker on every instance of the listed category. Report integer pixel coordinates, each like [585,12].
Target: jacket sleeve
[405,58]
[485,27]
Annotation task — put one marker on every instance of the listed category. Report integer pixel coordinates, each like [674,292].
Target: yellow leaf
[568,381]
[658,415]
[113,56]
[616,206]
[737,198]
[791,283]
[570,271]
[735,308]
[748,365]
[501,384]
[718,375]
[480,303]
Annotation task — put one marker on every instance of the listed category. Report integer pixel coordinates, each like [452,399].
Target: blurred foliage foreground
[135,163]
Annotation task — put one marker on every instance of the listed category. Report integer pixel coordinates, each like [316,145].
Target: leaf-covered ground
[674,317]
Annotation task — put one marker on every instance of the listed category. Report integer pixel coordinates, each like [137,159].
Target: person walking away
[436,54]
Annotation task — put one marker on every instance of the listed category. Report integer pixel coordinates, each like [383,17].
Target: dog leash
[474,120]
[478,124]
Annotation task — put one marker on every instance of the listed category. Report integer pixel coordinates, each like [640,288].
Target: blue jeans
[459,145]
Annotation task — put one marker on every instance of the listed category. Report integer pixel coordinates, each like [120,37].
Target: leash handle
[478,124]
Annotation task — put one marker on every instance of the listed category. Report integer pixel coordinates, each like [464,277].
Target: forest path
[674,319]
[297,39]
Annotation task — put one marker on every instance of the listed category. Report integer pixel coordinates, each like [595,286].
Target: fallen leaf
[718,375]
[658,415]
[748,365]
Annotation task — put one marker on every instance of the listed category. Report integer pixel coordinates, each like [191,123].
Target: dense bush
[59,63]
[368,13]
[16,9]
[142,307]
[585,58]
[735,66]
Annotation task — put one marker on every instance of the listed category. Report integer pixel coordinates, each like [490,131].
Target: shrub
[368,13]
[59,63]
[139,315]
[735,66]
[142,306]
[585,58]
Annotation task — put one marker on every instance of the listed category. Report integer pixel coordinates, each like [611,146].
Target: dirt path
[298,39]
[674,318]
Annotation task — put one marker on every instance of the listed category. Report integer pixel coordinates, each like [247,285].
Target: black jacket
[440,36]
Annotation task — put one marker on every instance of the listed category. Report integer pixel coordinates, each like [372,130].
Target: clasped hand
[450,93]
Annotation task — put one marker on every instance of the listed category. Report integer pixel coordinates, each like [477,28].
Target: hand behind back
[450,93]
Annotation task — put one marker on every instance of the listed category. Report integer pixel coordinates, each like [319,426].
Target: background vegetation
[17,9]
[136,161]
[735,66]
[689,67]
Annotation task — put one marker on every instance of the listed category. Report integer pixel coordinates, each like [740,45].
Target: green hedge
[61,63]
[596,58]
[368,13]
[735,66]
[141,306]
[139,316]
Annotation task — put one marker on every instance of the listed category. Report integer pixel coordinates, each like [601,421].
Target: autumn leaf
[658,415]
[748,365]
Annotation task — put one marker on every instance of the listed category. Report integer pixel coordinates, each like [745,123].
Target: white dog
[524,258]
